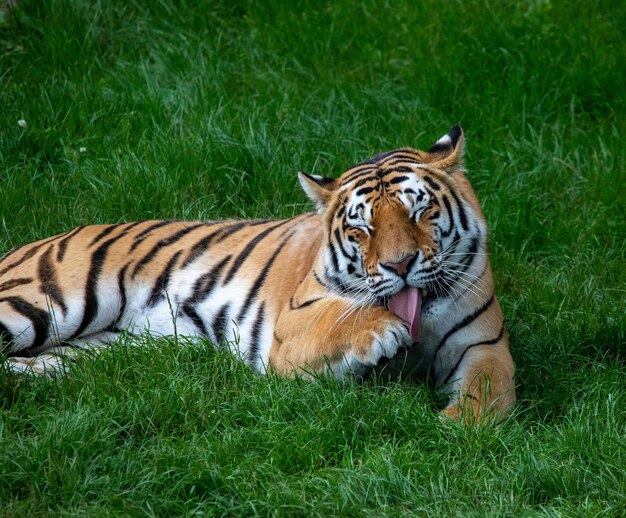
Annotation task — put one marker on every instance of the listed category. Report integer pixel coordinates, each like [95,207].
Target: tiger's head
[403,218]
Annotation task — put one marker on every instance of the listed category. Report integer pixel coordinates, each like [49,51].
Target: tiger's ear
[447,153]
[318,188]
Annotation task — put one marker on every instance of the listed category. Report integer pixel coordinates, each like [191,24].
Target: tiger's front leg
[479,377]
[329,333]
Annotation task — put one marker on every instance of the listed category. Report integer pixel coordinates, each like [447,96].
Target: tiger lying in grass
[393,265]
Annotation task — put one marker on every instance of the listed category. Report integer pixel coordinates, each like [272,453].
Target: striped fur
[298,295]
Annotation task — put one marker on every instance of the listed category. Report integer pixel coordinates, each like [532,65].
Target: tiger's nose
[401,267]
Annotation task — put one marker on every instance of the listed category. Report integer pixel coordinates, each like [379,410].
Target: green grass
[206,110]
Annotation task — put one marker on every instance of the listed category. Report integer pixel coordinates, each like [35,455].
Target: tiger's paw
[48,364]
[469,413]
[382,342]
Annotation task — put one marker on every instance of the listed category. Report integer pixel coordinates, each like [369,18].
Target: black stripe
[419,197]
[433,199]
[245,253]
[130,226]
[364,190]
[39,318]
[357,173]
[392,162]
[319,280]
[12,252]
[401,169]
[163,280]
[293,222]
[439,148]
[47,276]
[255,337]
[231,229]
[486,342]
[161,244]
[13,283]
[111,228]
[389,157]
[64,242]
[25,257]
[398,179]
[121,285]
[478,279]
[465,262]
[320,180]
[465,322]
[333,256]
[200,247]
[191,312]
[140,238]
[238,226]
[353,213]
[260,280]
[103,234]
[363,181]
[350,257]
[91,296]
[336,283]
[471,253]
[38,245]
[220,324]
[304,304]
[219,235]
[461,210]
[207,281]
[434,185]
[379,157]
[425,270]
[475,243]
[456,240]
[446,202]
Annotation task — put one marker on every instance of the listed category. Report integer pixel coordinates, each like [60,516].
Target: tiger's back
[166,277]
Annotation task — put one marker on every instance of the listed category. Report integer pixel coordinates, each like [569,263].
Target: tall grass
[204,110]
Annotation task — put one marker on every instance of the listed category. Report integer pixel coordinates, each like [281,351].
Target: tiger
[391,269]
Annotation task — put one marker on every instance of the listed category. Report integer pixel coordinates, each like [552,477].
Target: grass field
[203,110]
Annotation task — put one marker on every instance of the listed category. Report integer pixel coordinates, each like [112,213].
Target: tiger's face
[392,234]
[399,219]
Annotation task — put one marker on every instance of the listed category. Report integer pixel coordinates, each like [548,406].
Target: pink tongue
[407,304]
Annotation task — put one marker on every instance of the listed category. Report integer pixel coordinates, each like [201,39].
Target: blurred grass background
[204,110]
